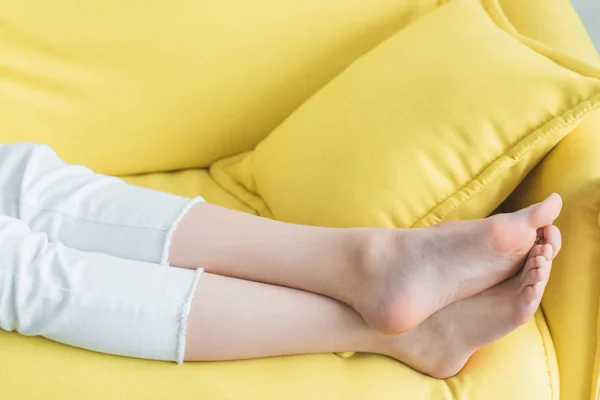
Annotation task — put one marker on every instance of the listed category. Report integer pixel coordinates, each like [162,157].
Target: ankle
[382,343]
[369,248]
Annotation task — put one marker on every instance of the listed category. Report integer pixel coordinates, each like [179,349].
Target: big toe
[542,214]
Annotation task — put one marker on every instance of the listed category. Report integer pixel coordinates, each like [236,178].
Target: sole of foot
[412,273]
[443,343]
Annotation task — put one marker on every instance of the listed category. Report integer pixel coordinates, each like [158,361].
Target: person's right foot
[409,274]
[442,344]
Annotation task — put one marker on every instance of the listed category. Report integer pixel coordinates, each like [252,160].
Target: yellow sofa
[551,357]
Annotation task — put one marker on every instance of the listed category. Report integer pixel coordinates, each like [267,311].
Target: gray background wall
[589,11]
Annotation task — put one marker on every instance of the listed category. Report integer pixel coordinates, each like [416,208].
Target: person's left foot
[443,343]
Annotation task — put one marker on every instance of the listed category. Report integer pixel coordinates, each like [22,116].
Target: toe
[535,251]
[547,252]
[544,213]
[540,250]
[551,235]
[534,270]
[533,293]
[535,281]
[540,262]
[531,264]
[537,275]
[534,276]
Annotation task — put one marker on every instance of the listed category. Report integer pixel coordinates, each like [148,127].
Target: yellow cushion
[570,304]
[138,86]
[571,300]
[189,183]
[554,22]
[441,121]
[521,366]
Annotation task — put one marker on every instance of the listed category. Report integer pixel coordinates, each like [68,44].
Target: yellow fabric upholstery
[573,170]
[134,87]
[402,137]
[571,300]
[513,368]
[189,183]
[553,22]
[139,86]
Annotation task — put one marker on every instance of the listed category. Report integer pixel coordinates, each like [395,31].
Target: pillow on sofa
[441,121]
[129,86]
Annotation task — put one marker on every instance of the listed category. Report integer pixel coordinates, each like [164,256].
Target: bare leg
[136,309]
[236,319]
[379,272]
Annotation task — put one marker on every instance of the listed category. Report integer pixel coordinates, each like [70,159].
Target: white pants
[84,258]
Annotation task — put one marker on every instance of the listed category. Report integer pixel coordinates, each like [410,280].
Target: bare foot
[443,343]
[409,274]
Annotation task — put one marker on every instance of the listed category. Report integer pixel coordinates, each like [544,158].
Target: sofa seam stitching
[545,355]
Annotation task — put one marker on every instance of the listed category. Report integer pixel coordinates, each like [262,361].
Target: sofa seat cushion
[522,366]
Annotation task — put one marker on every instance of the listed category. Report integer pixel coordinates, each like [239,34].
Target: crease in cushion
[556,23]
[441,121]
[561,57]
[189,183]
[549,353]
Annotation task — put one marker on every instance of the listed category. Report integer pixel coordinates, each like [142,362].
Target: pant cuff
[183,318]
[166,252]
